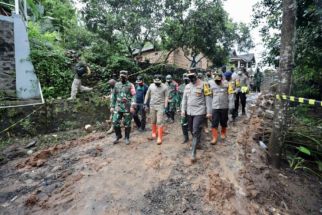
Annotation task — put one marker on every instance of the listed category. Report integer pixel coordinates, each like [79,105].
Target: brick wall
[7,61]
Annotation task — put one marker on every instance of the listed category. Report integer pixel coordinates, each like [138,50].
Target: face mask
[169,82]
[218,82]
[158,84]
[193,79]
[208,75]
[141,84]
[228,78]
[123,79]
[186,81]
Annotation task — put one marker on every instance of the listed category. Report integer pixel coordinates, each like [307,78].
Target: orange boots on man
[220,102]
[157,95]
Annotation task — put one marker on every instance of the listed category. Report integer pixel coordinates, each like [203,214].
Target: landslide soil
[90,175]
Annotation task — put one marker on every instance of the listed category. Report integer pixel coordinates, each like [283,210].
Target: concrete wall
[7,60]
[27,84]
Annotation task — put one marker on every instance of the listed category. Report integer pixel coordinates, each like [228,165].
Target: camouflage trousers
[117,118]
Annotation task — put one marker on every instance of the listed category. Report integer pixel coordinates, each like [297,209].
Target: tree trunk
[285,74]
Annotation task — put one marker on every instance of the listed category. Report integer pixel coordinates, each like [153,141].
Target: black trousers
[257,88]
[140,113]
[196,124]
[219,116]
[242,97]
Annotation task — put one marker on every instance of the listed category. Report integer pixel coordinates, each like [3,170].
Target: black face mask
[186,81]
[123,79]
[228,78]
[209,75]
[169,81]
[218,82]
[193,79]
[158,84]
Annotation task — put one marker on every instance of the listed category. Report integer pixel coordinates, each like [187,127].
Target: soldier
[123,103]
[184,119]
[172,100]
[81,70]
[157,99]
[111,82]
[141,90]
[196,103]
[242,87]
[220,103]
[258,78]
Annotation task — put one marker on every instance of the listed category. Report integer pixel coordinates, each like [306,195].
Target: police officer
[231,92]
[81,71]
[242,87]
[123,103]
[141,90]
[172,100]
[196,103]
[220,103]
[157,99]
[184,119]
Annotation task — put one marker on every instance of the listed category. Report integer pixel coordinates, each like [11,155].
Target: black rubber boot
[243,112]
[185,133]
[127,135]
[194,148]
[118,135]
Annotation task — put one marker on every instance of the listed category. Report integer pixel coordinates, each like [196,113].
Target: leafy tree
[132,23]
[243,38]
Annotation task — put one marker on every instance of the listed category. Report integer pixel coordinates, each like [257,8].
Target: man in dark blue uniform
[140,112]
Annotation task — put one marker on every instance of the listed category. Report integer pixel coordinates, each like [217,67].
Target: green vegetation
[303,146]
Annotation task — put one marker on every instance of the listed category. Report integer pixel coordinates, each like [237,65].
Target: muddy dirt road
[91,176]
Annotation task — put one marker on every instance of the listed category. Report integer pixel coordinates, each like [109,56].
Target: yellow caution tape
[299,99]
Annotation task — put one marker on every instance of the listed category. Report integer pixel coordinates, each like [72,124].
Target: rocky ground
[90,175]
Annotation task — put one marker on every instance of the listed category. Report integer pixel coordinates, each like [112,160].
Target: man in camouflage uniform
[184,119]
[172,100]
[196,103]
[81,70]
[123,104]
[258,78]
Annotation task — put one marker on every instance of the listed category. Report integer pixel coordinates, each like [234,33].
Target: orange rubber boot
[154,131]
[160,134]
[223,133]
[214,132]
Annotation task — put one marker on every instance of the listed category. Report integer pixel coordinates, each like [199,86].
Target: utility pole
[280,123]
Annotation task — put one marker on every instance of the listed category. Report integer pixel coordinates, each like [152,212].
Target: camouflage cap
[123,73]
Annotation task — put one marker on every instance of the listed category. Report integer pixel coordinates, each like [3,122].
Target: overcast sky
[241,11]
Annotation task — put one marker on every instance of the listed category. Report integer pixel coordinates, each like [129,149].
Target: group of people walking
[199,100]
